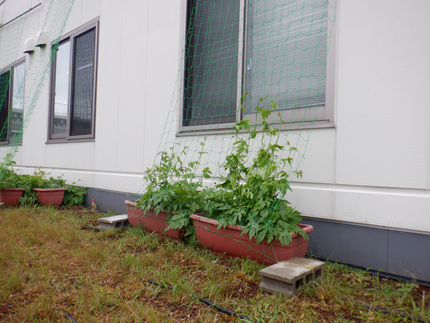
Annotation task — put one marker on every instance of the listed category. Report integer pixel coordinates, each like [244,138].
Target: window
[73,85]
[12,80]
[265,48]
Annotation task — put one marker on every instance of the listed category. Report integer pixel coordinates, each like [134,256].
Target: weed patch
[52,266]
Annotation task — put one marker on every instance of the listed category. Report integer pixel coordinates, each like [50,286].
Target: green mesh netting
[239,53]
[18,99]
[10,41]
[241,56]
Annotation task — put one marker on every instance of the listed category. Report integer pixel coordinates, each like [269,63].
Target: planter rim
[132,203]
[12,189]
[49,189]
[201,218]
[306,227]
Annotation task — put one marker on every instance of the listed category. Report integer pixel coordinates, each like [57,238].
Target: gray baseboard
[399,252]
[109,201]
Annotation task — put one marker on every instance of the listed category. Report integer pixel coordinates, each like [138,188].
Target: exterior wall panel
[372,169]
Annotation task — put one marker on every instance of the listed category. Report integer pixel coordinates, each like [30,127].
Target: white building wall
[373,168]
[379,151]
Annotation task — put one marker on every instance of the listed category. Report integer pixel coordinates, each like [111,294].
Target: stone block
[316,266]
[113,222]
[287,276]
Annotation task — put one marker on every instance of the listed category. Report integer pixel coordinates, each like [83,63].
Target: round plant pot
[151,221]
[10,196]
[231,241]
[50,196]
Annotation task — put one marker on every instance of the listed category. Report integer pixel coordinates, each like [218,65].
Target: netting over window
[242,54]
[286,53]
[10,41]
[252,85]
[22,81]
[210,81]
[83,85]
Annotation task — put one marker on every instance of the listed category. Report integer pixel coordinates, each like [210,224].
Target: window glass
[17,109]
[4,105]
[286,53]
[210,95]
[73,83]
[61,95]
[84,54]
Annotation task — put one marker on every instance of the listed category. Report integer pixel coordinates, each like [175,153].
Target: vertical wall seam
[335,102]
[428,111]
[387,261]
[146,86]
[119,87]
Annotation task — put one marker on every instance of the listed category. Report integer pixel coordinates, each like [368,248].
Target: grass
[51,262]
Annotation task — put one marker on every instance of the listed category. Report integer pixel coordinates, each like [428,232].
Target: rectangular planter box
[11,196]
[50,196]
[231,241]
[152,222]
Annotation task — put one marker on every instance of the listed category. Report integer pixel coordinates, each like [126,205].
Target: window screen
[4,105]
[17,106]
[82,106]
[210,95]
[286,53]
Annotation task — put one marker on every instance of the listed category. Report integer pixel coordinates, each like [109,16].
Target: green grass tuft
[50,260]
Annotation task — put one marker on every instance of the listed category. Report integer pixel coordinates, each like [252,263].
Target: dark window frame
[325,117]
[183,111]
[8,101]
[70,37]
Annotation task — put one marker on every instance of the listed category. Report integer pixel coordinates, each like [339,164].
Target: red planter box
[230,241]
[50,196]
[152,222]
[11,196]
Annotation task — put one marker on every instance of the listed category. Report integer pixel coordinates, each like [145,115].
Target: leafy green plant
[172,187]
[51,255]
[251,194]
[74,195]
[8,177]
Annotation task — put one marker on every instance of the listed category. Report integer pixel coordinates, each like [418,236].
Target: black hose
[201,299]
[93,227]
[207,302]
[377,309]
[370,271]
[68,316]
[379,273]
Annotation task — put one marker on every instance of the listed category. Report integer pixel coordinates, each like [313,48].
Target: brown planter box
[10,196]
[231,241]
[50,196]
[152,222]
